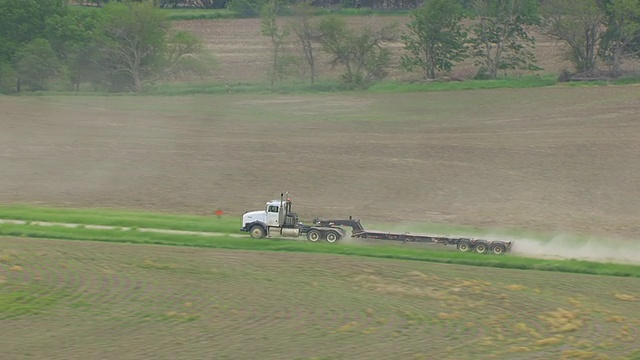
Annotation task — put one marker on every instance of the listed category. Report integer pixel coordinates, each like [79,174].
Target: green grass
[395,251]
[502,83]
[199,14]
[326,86]
[366,308]
[356,12]
[627,80]
[19,300]
[215,88]
[333,86]
[294,87]
[225,224]
[213,14]
[109,217]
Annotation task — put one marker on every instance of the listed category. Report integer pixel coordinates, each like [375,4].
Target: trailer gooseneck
[278,219]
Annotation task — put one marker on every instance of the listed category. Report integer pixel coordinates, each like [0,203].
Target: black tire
[332,236]
[481,248]
[498,249]
[313,235]
[257,232]
[464,246]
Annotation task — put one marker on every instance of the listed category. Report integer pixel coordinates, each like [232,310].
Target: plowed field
[552,159]
[83,300]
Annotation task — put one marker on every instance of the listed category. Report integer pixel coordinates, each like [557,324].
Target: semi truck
[278,219]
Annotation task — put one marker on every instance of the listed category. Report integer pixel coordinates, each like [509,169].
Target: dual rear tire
[315,235]
[331,236]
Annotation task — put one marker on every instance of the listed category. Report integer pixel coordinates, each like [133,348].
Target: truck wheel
[313,235]
[481,248]
[332,236]
[464,246]
[258,232]
[498,248]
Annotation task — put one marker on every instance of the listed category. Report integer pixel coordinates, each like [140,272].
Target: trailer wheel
[313,235]
[481,248]
[498,248]
[332,236]
[464,246]
[257,232]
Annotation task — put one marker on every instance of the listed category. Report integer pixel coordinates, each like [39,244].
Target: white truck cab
[268,216]
[276,215]
[278,219]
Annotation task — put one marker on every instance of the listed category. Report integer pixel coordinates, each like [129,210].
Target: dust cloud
[567,247]
[560,246]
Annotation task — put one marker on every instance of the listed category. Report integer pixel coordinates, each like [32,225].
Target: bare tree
[278,36]
[581,25]
[305,34]
[621,40]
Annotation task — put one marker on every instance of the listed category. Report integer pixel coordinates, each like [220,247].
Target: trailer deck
[463,244]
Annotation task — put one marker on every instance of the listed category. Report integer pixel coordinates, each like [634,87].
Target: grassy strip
[199,14]
[135,219]
[213,14]
[329,86]
[231,225]
[382,251]
[247,88]
[532,81]
[224,224]
[332,87]
[516,82]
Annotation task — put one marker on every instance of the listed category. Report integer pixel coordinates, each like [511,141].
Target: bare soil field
[243,54]
[82,300]
[551,160]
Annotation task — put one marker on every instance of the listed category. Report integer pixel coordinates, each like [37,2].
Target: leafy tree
[621,40]
[500,40]
[362,53]
[22,21]
[132,40]
[436,40]
[580,24]
[247,8]
[185,57]
[8,78]
[36,63]
[306,34]
[135,47]
[72,37]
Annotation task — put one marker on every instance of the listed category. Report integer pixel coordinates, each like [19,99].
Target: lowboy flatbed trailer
[278,219]
[463,244]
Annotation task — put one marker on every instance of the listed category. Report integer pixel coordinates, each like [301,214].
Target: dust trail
[561,246]
[568,247]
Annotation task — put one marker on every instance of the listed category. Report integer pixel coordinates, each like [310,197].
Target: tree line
[495,34]
[126,45]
